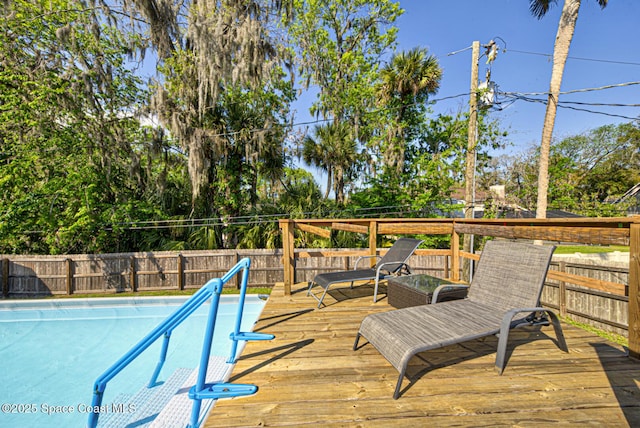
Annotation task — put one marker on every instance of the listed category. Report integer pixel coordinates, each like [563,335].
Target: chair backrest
[400,251]
[510,274]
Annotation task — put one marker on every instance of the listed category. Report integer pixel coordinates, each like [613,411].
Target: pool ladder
[201,390]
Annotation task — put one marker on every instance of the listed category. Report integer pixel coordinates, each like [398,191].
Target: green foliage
[588,172]
[75,163]
[433,168]
[79,172]
[334,151]
[405,85]
[340,43]
[232,145]
[589,249]
[338,47]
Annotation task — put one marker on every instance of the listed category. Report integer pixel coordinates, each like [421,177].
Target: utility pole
[470,171]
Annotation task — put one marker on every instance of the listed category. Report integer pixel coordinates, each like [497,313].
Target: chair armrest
[380,266]
[364,257]
[436,292]
[507,319]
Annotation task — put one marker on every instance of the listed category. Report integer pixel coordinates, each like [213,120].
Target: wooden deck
[309,375]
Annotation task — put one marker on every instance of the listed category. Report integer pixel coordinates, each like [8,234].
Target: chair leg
[375,290]
[322,297]
[396,393]
[309,293]
[355,344]
[505,327]
[562,343]
[503,339]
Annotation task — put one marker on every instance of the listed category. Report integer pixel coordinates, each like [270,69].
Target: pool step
[166,405]
[141,408]
[114,419]
[177,412]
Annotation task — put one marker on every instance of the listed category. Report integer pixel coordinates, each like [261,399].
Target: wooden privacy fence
[572,289]
[567,289]
[24,276]
[587,303]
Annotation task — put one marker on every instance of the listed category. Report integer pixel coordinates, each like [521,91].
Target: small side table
[414,290]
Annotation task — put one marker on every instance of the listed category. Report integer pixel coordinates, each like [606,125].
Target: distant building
[497,198]
[632,196]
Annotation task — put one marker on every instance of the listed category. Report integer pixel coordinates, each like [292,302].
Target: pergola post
[288,254]
[634,286]
[373,241]
[455,255]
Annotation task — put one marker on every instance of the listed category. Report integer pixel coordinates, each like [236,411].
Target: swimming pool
[51,351]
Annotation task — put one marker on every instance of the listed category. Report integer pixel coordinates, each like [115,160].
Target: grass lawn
[590,249]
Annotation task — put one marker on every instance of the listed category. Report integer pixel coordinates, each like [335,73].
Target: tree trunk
[566,27]
[329,182]
[338,180]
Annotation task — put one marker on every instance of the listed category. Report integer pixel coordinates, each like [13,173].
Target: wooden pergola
[599,231]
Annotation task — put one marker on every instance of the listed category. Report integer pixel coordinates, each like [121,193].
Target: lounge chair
[507,285]
[394,262]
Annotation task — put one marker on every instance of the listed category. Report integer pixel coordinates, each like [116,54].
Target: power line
[570,105]
[317,121]
[598,112]
[601,104]
[258,219]
[575,91]
[440,99]
[576,58]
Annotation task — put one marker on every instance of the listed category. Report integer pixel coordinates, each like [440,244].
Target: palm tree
[407,81]
[315,152]
[334,152]
[566,28]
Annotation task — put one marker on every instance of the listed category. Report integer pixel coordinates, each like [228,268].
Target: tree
[339,45]
[333,151]
[588,172]
[406,83]
[225,97]
[566,28]
[75,160]
[519,173]
[295,193]
[434,167]
[591,170]
[209,49]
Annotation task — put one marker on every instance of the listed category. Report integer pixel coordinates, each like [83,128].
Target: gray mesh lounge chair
[394,262]
[504,293]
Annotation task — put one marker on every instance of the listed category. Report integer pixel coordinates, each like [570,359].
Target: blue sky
[610,34]
[604,38]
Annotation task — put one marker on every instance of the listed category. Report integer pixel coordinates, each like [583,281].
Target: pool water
[52,351]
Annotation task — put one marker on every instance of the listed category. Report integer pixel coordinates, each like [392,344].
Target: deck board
[309,375]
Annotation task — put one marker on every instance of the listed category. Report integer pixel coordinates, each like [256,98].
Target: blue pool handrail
[203,391]
[212,289]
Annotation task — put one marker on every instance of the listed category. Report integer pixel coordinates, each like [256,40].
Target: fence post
[5,278]
[70,272]
[134,279]
[562,289]
[180,271]
[446,267]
